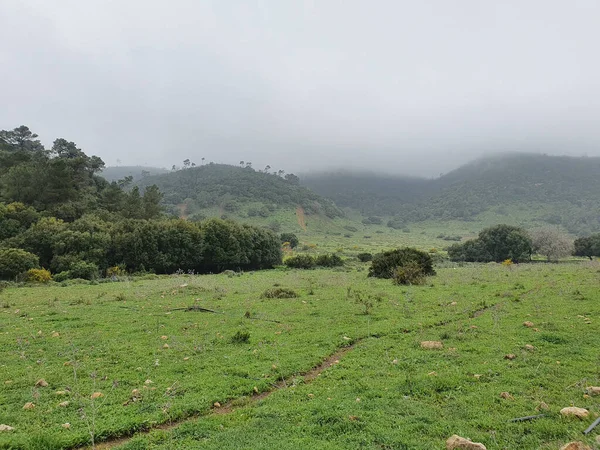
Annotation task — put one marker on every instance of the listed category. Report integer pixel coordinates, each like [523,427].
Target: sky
[412,87]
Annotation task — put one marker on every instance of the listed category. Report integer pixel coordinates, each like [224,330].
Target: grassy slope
[111,335]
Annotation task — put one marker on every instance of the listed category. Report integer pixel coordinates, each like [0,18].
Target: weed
[279,293]
[240,337]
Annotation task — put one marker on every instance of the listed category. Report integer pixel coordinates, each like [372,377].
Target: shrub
[14,261]
[365,257]
[587,246]
[84,270]
[497,243]
[372,220]
[385,264]
[62,276]
[351,228]
[409,273]
[38,276]
[279,293]
[240,337]
[331,260]
[291,238]
[115,271]
[300,262]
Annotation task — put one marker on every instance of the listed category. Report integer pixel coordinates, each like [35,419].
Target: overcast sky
[415,86]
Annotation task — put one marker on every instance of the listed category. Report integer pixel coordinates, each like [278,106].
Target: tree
[14,261]
[497,243]
[20,139]
[290,238]
[587,246]
[551,243]
[385,264]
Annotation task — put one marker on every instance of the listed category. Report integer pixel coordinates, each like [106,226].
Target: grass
[386,392]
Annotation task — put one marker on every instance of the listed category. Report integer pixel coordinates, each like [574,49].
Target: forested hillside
[558,190]
[241,191]
[115,173]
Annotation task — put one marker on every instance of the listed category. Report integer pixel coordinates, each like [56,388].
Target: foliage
[409,273]
[551,243]
[300,262]
[496,243]
[240,337]
[329,260]
[279,292]
[372,220]
[38,275]
[386,264]
[587,246]
[365,257]
[14,261]
[84,270]
[291,238]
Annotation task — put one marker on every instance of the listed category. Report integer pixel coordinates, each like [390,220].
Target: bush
[279,293]
[84,270]
[38,276]
[14,261]
[409,273]
[62,276]
[115,271]
[385,264]
[300,262]
[291,238]
[331,260]
[587,246]
[240,337]
[365,257]
[497,243]
[372,220]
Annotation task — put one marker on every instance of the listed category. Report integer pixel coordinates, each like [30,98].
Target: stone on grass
[457,442]
[432,344]
[41,383]
[574,411]
[96,395]
[66,426]
[506,396]
[510,356]
[576,446]
[528,324]
[6,428]
[28,405]
[593,390]
[63,404]
[543,405]
[529,347]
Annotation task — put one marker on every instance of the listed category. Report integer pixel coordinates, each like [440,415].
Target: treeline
[58,214]
[236,190]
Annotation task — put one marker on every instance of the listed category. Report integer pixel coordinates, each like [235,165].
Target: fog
[415,87]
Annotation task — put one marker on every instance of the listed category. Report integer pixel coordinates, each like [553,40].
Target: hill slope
[236,191]
[557,190]
[116,173]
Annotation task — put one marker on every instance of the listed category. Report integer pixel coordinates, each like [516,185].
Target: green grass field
[155,365]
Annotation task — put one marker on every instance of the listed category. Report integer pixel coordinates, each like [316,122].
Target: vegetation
[279,292]
[14,261]
[304,261]
[497,243]
[551,243]
[392,263]
[587,246]
[365,257]
[290,238]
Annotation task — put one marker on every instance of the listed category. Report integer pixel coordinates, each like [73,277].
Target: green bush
[240,337]
[497,243]
[62,276]
[372,220]
[300,262]
[291,238]
[409,273]
[330,260]
[386,264]
[84,270]
[14,261]
[365,257]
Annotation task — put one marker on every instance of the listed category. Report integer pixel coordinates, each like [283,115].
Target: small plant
[115,271]
[507,262]
[240,337]
[279,293]
[38,276]
[365,257]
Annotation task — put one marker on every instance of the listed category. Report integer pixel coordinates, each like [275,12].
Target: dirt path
[301,217]
[230,406]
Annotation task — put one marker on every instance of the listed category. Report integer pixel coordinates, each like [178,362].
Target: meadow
[100,361]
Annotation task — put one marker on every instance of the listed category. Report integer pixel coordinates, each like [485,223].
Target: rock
[574,411]
[28,405]
[135,393]
[148,382]
[457,442]
[506,396]
[593,390]
[41,383]
[96,395]
[66,426]
[55,334]
[216,404]
[529,347]
[6,428]
[164,338]
[543,406]
[63,404]
[432,344]
[166,346]
[510,356]
[61,392]
[575,446]
[528,324]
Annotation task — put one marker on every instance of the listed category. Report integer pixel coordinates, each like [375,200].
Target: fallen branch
[592,426]
[264,320]
[523,419]
[196,308]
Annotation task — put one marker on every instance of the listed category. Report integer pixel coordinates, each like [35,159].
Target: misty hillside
[116,173]
[239,191]
[557,190]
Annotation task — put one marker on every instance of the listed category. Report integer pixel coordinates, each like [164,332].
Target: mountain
[221,189]
[556,190]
